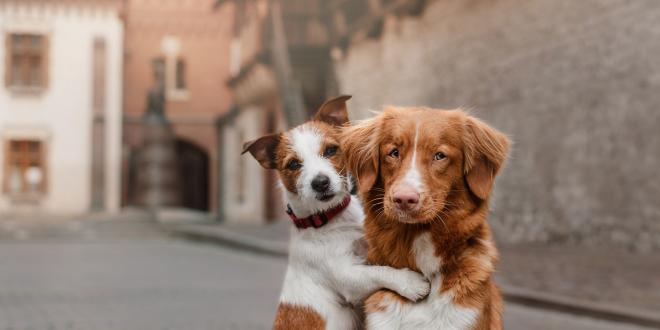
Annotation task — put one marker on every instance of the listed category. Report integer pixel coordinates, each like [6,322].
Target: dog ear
[263,150]
[333,111]
[360,146]
[486,150]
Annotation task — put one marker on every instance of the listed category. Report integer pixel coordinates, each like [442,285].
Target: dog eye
[439,156]
[293,164]
[394,153]
[330,151]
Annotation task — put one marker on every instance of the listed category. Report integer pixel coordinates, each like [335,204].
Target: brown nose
[405,198]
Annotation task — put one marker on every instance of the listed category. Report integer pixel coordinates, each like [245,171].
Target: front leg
[384,310]
[358,282]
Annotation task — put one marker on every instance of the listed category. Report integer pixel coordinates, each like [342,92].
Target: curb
[526,297]
[221,236]
[580,307]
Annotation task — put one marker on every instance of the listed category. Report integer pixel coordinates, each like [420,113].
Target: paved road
[131,275]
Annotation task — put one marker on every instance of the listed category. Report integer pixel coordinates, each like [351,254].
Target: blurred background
[122,123]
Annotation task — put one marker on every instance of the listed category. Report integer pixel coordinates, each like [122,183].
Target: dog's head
[414,165]
[310,164]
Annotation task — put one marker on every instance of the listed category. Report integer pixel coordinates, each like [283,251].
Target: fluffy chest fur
[316,258]
[459,271]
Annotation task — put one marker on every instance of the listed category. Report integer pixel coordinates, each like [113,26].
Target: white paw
[414,286]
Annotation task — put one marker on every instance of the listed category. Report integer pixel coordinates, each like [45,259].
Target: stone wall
[576,84]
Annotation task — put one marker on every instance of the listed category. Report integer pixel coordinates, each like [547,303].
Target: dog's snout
[321,183]
[405,198]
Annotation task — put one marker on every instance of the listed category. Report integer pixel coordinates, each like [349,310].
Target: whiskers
[442,212]
[377,203]
[438,217]
[436,211]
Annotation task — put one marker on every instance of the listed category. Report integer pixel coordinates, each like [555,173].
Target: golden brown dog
[425,177]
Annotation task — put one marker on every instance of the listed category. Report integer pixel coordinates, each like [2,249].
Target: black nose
[321,183]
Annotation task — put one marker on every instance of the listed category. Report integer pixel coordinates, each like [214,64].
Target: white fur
[436,312]
[425,257]
[325,273]
[413,177]
[306,142]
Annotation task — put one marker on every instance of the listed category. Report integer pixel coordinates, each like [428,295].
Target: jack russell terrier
[327,279]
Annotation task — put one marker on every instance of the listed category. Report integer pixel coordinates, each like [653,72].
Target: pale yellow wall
[62,114]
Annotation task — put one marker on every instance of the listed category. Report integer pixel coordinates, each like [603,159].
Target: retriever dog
[425,177]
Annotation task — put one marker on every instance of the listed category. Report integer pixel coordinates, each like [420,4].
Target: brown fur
[453,207]
[297,317]
[378,301]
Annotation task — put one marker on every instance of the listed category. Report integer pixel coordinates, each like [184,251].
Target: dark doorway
[193,175]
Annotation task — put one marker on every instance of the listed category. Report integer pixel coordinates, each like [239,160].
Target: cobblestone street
[130,275]
[133,275]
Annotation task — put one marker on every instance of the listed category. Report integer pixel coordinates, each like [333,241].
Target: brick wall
[202,34]
[576,84]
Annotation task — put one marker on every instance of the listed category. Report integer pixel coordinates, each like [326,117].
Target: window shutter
[8,58]
[45,59]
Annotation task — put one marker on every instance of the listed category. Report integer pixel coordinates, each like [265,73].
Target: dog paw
[414,286]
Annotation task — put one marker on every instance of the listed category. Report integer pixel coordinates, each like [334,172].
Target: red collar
[319,219]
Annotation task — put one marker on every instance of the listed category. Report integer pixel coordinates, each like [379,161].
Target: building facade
[281,73]
[60,105]
[191,41]
[574,83]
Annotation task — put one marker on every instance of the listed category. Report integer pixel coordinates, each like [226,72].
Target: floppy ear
[333,111]
[360,146]
[263,150]
[486,150]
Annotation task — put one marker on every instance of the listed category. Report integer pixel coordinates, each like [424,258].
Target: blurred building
[60,105]
[573,82]
[281,72]
[191,41]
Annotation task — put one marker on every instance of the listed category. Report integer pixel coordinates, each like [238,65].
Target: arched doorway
[193,175]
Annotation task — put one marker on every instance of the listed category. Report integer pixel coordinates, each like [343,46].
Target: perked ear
[333,111]
[360,146]
[486,150]
[263,150]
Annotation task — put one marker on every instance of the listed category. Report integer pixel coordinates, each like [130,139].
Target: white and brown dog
[326,278]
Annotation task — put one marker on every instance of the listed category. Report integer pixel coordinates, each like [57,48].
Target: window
[24,168]
[159,70]
[180,82]
[174,76]
[26,61]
